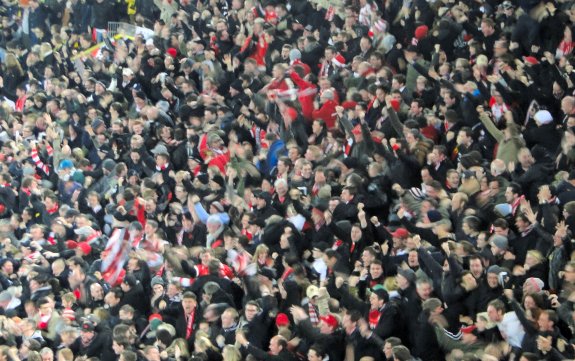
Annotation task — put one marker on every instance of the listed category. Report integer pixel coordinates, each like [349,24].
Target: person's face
[476,268]
[96,291]
[275,348]
[313,356]
[525,158]
[188,304]
[281,189]
[324,328]
[251,312]
[521,224]
[355,233]
[415,109]
[529,303]
[509,195]
[424,291]
[293,154]
[8,268]
[486,29]
[375,302]
[412,259]
[402,282]
[493,314]
[387,350]
[366,258]
[426,177]
[46,309]
[158,289]
[333,204]
[453,179]
[375,270]
[492,280]
[86,336]
[227,320]
[569,274]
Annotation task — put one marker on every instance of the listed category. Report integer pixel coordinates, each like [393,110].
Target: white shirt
[511,329]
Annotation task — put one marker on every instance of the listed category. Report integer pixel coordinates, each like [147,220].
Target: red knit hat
[338,61]
[348,104]
[531,60]
[282,320]
[85,247]
[154,316]
[330,320]
[172,52]
[421,32]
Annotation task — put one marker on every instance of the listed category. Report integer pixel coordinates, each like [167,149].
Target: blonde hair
[231,353]
[204,343]
[66,354]
[182,344]
[259,250]
[12,63]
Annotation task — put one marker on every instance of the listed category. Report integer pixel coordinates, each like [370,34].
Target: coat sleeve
[387,324]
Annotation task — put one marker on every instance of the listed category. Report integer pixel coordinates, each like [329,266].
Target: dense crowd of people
[287,180]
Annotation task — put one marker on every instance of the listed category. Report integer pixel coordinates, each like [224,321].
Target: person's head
[231,353]
[189,302]
[331,257]
[487,27]
[328,324]
[229,317]
[470,225]
[501,227]
[547,321]
[376,269]
[522,222]
[476,266]
[378,298]
[277,345]
[512,192]
[401,353]
[251,309]
[496,310]
[128,355]
[424,288]
[316,353]
[388,346]
[525,157]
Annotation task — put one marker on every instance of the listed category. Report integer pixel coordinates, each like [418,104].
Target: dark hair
[319,350]
[515,188]
[189,294]
[500,223]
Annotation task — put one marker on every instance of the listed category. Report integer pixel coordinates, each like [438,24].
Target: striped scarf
[313,314]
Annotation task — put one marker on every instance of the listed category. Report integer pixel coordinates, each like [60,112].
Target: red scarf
[190,325]
[287,273]
[43,322]
[53,209]
[51,239]
[374,316]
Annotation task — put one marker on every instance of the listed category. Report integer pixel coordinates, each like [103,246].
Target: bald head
[568,105]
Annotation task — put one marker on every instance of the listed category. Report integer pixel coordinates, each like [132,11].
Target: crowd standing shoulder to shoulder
[347,180]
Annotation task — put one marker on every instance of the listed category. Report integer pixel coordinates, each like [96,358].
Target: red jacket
[306,94]
[327,113]
[259,53]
